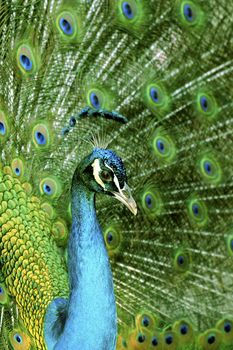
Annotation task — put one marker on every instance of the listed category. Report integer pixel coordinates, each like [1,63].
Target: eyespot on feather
[18,167]
[185,332]
[41,136]
[206,105]
[98,97]
[50,187]
[225,326]
[210,339]
[151,202]
[156,98]
[27,59]
[163,146]
[210,168]
[170,340]
[19,340]
[113,240]
[60,232]
[139,340]
[48,208]
[182,261]
[4,298]
[190,14]
[146,320]
[4,126]
[197,212]
[131,14]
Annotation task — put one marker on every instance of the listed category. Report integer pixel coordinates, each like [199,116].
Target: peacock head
[103,171]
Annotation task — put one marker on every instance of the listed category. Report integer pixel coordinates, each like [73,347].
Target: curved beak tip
[125,197]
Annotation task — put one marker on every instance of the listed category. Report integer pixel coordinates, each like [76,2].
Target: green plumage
[167,66]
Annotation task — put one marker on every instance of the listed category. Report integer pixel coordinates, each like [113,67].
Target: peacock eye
[106,176]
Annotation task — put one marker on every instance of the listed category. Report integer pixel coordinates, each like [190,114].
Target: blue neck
[91,322]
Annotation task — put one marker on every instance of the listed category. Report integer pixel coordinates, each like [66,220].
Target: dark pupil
[95,100]
[2,128]
[48,189]
[40,137]
[169,340]
[25,61]
[18,339]
[110,237]
[183,330]
[211,339]
[227,327]
[66,25]
[127,10]
[141,338]
[181,260]
[154,342]
[189,12]
[208,167]
[1,290]
[149,201]
[160,145]
[204,103]
[195,209]
[17,170]
[154,94]
[146,322]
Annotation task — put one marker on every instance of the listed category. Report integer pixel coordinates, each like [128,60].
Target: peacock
[90,91]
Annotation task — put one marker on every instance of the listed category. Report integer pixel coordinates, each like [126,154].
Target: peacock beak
[124,195]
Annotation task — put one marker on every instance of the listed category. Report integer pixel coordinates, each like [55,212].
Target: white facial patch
[96,171]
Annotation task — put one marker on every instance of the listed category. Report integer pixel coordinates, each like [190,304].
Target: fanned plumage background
[167,66]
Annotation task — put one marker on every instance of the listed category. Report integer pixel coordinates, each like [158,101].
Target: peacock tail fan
[166,67]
